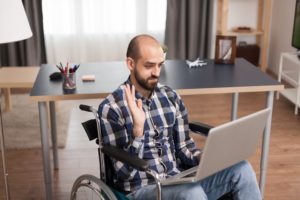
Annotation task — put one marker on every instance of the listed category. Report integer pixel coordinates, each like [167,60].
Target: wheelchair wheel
[88,187]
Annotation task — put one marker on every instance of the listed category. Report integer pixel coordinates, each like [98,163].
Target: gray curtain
[187,29]
[30,52]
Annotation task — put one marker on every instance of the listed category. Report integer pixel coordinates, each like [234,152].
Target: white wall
[243,13]
[281,31]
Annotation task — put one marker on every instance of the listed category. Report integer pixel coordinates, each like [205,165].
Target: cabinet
[261,31]
[289,71]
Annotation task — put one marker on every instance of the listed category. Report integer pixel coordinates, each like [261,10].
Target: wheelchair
[91,187]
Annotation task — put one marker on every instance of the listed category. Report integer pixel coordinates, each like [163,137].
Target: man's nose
[156,71]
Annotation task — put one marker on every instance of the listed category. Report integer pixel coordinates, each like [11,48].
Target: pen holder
[69,81]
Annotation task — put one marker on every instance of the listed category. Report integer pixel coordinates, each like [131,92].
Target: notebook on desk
[226,145]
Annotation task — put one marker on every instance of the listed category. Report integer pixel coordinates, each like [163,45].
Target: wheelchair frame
[91,182]
[116,153]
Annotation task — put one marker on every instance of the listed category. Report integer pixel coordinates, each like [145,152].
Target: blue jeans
[239,179]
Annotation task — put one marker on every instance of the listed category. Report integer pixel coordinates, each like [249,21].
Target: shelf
[250,33]
[290,72]
[292,57]
[291,95]
[292,77]
[261,32]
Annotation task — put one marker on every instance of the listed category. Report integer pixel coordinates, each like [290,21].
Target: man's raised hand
[136,109]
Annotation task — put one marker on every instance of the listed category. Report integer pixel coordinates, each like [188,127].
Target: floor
[80,156]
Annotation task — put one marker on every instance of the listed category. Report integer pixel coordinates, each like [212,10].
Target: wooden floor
[80,156]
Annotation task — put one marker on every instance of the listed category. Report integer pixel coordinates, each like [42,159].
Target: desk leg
[234,108]
[7,99]
[3,156]
[297,100]
[265,145]
[53,133]
[45,148]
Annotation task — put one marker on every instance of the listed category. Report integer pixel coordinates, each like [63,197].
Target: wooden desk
[16,77]
[210,79]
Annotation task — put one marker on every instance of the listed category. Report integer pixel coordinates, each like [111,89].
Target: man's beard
[145,83]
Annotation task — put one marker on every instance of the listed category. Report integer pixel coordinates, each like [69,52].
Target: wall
[281,31]
[213,26]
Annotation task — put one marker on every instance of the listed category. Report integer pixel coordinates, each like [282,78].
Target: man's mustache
[153,78]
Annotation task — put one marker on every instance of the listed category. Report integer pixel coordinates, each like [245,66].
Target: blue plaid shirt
[166,135]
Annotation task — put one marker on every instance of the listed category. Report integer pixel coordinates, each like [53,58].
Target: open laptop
[225,146]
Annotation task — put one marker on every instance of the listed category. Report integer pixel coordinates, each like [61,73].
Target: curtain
[187,29]
[30,52]
[98,30]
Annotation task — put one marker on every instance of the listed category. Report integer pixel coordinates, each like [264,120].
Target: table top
[18,77]
[209,79]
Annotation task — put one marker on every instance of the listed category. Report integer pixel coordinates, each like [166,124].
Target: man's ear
[130,63]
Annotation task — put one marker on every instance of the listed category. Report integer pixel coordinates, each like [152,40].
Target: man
[149,120]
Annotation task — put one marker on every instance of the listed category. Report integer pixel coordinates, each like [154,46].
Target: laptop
[226,145]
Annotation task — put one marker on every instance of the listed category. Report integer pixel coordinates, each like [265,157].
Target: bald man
[149,120]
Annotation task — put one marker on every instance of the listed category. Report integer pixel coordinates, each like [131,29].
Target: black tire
[88,187]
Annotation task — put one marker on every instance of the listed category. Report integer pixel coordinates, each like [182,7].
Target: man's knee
[245,171]
[192,191]
[246,186]
[244,168]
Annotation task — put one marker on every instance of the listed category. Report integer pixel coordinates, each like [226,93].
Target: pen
[76,67]
[72,69]
[67,68]
[59,68]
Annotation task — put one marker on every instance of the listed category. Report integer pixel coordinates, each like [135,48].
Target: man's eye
[162,65]
[148,66]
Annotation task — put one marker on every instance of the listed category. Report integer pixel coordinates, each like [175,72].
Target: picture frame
[225,51]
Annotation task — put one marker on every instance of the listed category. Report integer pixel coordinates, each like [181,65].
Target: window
[95,30]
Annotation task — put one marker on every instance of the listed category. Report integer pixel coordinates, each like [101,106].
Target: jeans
[238,179]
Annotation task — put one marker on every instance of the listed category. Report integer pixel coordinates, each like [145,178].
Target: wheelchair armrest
[200,128]
[125,157]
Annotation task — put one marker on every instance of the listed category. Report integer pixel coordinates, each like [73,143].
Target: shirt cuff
[137,144]
[197,154]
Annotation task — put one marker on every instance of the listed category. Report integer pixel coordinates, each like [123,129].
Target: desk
[211,79]
[16,77]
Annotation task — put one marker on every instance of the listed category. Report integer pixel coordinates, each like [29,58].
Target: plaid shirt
[166,135]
